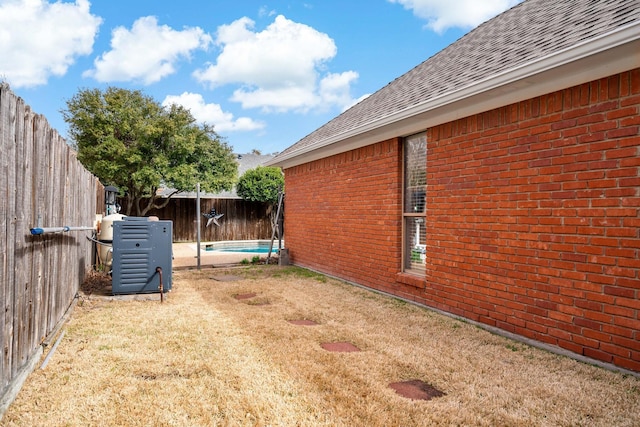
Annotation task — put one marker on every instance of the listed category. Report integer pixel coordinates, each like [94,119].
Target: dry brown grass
[204,357]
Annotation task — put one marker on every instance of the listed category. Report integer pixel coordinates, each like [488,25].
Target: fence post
[198,223]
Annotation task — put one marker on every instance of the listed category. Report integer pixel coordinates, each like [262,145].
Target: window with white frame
[415,182]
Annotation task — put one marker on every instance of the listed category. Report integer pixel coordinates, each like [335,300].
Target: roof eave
[608,54]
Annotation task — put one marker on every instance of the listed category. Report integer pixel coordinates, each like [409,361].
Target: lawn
[222,350]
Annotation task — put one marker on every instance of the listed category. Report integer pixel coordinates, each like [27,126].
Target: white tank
[105,235]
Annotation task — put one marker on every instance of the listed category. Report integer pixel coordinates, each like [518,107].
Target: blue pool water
[247,248]
[256,249]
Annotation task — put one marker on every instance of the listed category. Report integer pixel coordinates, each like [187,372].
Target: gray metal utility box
[142,255]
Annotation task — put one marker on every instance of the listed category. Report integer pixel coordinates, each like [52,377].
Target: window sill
[412,280]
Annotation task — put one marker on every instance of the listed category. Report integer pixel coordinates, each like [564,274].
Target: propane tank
[105,237]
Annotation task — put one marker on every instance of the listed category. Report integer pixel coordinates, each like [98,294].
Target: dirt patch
[340,347]
[416,390]
[96,283]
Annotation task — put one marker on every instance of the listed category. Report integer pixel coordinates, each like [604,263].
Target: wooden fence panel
[4,209]
[242,220]
[42,184]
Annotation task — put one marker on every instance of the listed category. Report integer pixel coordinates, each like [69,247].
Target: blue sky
[264,73]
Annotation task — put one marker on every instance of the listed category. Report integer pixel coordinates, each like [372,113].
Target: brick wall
[342,214]
[533,219]
[532,215]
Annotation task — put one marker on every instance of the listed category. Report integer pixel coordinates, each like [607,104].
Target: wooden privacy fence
[242,220]
[41,184]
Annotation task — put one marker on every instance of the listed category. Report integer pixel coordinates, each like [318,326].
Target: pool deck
[185,256]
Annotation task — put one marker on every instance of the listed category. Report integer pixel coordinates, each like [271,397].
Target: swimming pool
[257,250]
[242,246]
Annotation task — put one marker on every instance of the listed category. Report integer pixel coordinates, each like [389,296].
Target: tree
[261,184]
[129,140]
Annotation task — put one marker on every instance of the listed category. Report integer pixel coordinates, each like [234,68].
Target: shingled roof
[531,38]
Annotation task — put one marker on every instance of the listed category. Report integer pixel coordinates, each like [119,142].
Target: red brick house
[498,181]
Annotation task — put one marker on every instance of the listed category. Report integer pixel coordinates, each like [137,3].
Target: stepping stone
[343,347]
[226,278]
[244,296]
[416,390]
[303,322]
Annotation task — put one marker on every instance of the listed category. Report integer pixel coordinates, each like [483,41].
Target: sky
[264,73]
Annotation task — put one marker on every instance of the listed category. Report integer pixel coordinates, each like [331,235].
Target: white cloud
[277,98]
[212,113]
[147,53]
[39,40]
[444,14]
[264,11]
[334,88]
[278,68]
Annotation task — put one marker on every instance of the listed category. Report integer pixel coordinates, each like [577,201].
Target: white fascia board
[602,56]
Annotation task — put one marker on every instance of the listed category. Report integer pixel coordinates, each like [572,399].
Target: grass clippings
[203,358]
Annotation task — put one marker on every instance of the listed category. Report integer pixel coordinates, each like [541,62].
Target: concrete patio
[185,256]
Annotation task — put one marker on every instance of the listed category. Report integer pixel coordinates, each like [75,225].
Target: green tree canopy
[261,184]
[129,140]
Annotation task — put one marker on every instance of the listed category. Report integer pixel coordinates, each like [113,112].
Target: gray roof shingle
[533,29]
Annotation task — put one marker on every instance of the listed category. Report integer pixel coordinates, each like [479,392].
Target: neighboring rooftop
[245,162]
[528,33]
